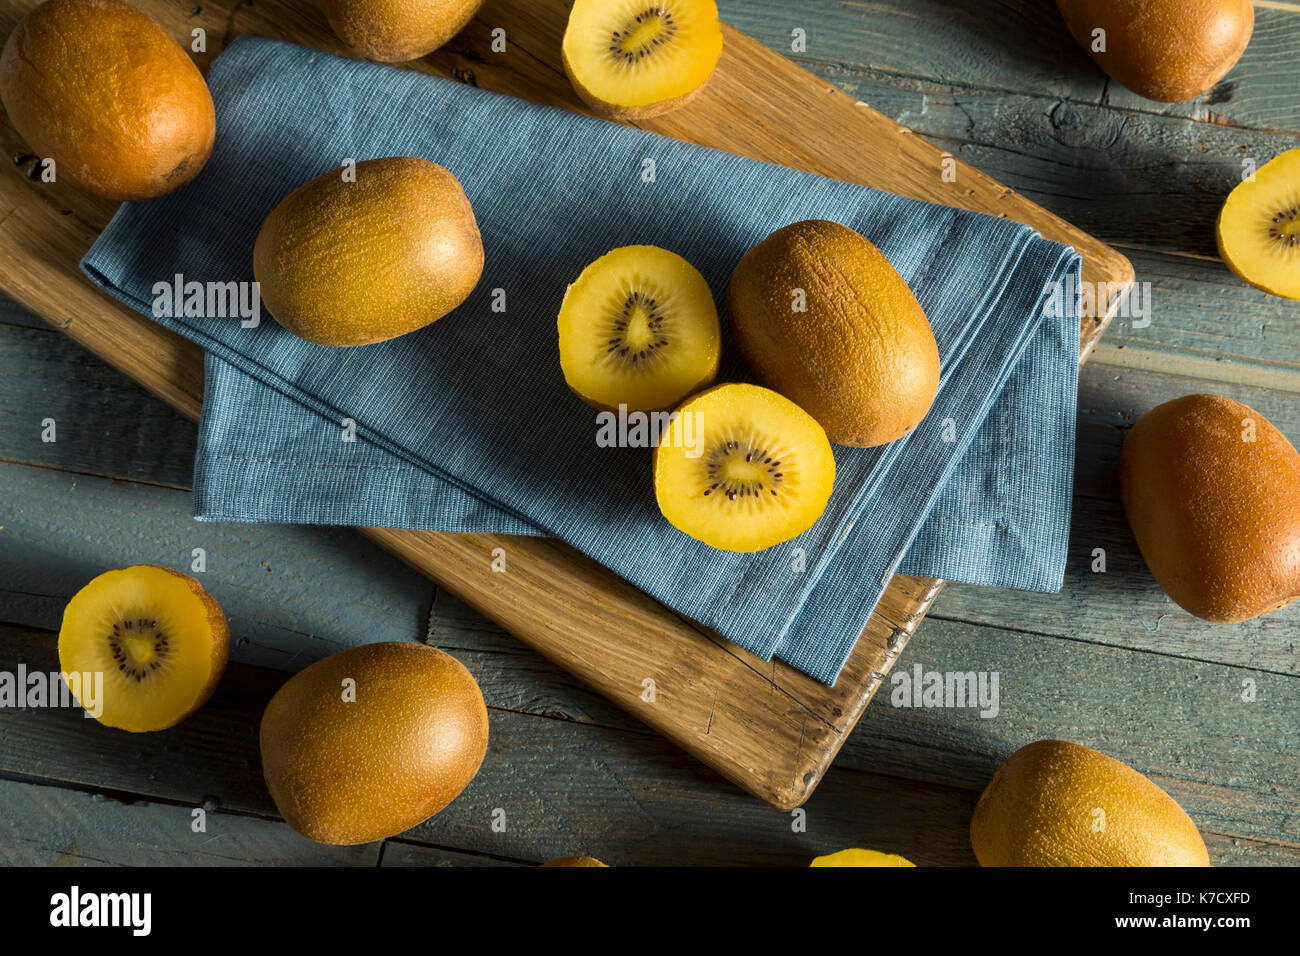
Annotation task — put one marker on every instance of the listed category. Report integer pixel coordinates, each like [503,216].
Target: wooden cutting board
[764,726]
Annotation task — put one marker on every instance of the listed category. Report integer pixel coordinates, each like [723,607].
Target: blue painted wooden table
[1212,713]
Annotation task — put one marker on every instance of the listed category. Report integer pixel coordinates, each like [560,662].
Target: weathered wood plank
[293,594]
[1130,178]
[565,788]
[1231,763]
[103,423]
[1019,46]
[54,826]
[403,853]
[11,313]
[1181,721]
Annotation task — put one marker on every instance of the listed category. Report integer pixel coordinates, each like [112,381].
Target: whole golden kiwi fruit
[345,263]
[371,741]
[1056,803]
[820,315]
[1212,492]
[394,31]
[1166,50]
[576,861]
[104,91]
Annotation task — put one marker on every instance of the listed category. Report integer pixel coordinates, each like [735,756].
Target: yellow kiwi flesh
[861,858]
[394,31]
[157,637]
[347,263]
[632,59]
[821,316]
[639,328]
[1259,227]
[369,742]
[742,468]
[1056,803]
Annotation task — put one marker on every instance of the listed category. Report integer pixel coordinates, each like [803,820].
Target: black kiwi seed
[635,56]
[1282,219]
[118,650]
[654,322]
[740,489]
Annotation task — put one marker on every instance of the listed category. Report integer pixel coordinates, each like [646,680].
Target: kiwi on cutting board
[1165,50]
[394,31]
[632,59]
[354,261]
[1259,227]
[742,468]
[1211,489]
[158,638]
[821,316]
[103,90]
[639,328]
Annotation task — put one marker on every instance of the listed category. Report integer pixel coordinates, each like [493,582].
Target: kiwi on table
[1041,809]
[1165,50]
[588,861]
[1211,489]
[1259,227]
[158,638]
[639,328]
[372,740]
[631,59]
[742,468]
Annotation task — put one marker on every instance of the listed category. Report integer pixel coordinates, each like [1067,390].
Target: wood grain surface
[987,83]
[1108,662]
[768,728]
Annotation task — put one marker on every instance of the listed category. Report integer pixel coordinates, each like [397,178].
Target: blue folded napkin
[467,425]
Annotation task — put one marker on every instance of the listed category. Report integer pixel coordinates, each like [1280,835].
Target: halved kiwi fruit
[1259,227]
[743,468]
[639,328]
[630,59]
[158,638]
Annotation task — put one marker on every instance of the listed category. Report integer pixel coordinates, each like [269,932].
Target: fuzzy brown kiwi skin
[1230,561]
[220,641]
[355,25]
[626,114]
